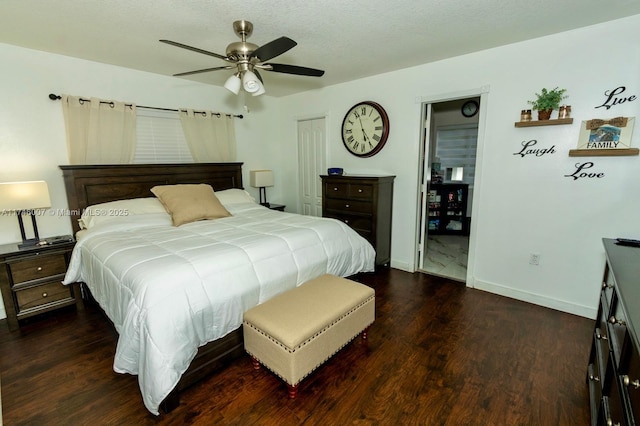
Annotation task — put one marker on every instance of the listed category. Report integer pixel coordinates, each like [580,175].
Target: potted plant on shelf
[546,101]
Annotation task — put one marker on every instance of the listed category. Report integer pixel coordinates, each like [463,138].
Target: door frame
[425,171]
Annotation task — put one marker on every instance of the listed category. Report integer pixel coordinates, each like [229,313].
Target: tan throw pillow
[190,202]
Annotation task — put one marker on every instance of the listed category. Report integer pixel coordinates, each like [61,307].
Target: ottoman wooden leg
[293,391]
[256,363]
[365,334]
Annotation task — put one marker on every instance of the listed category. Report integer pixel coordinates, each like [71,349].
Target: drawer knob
[627,381]
[594,378]
[600,336]
[45,294]
[359,190]
[39,268]
[614,320]
[347,205]
[335,189]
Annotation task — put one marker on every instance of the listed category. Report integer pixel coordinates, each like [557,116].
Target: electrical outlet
[534,259]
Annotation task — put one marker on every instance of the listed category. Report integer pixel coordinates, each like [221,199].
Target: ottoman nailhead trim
[292,350]
[313,369]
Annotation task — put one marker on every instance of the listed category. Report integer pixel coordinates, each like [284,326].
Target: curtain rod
[55,97]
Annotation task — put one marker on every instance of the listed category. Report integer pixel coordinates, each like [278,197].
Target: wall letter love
[581,174]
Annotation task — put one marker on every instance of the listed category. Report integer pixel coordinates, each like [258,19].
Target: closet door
[311,164]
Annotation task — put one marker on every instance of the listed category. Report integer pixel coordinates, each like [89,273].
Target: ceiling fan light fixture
[251,83]
[260,91]
[233,83]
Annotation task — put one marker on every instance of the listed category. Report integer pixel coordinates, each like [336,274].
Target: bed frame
[88,184]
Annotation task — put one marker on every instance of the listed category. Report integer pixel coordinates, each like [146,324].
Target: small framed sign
[605,137]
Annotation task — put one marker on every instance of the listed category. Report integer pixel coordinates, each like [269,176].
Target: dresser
[31,280]
[365,203]
[613,373]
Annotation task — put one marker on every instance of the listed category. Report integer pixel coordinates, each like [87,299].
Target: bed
[176,294]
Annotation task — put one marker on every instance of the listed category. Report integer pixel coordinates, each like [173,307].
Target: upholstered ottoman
[295,332]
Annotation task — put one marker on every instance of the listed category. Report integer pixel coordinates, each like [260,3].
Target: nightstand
[31,280]
[279,207]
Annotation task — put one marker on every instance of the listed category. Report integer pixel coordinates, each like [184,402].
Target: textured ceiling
[348,39]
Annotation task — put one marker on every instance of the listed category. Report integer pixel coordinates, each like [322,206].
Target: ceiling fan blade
[255,71]
[228,67]
[273,48]
[294,69]
[194,49]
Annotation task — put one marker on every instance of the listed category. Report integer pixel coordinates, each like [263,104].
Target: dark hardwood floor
[438,354]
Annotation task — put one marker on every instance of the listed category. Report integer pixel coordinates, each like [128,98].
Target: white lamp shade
[260,178]
[15,196]
[251,83]
[233,84]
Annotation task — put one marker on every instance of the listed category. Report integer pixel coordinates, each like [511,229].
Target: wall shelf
[603,152]
[535,123]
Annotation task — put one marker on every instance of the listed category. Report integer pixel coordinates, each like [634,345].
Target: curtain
[211,137]
[98,131]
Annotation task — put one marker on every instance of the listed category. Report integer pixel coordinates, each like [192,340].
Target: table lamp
[261,179]
[25,198]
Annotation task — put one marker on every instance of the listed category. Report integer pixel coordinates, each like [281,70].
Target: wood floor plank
[438,353]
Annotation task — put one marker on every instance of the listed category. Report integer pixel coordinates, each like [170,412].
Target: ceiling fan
[247,58]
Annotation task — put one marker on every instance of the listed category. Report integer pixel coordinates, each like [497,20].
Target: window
[456,147]
[160,138]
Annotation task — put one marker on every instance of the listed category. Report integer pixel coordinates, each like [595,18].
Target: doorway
[448,170]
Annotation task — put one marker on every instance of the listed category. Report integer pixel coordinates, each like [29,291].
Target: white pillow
[98,213]
[234,196]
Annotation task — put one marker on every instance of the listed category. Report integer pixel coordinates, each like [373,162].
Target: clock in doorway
[469,108]
[365,129]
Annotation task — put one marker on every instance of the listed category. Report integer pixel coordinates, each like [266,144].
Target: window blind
[456,147]
[160,138]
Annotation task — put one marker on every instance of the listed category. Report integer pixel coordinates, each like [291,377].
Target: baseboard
[537,299]
[402,266]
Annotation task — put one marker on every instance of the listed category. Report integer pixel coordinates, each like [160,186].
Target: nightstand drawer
[37,267]
[35,297]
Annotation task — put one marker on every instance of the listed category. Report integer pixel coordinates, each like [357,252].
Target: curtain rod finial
[54,97]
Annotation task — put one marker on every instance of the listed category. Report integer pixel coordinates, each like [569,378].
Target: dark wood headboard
[87,185]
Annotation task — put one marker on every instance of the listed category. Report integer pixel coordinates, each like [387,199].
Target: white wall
[521,205]
[32,134]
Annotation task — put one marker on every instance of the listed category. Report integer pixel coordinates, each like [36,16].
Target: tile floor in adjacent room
[446,255]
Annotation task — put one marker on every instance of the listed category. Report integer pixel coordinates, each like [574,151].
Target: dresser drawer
[617,330]
[601,360]
[37,267]
[336,189]
[360,190]
[35,297]
[631,380]
[362,224]
[349,206]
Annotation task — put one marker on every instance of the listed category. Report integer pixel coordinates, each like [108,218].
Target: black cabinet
[613,373]
[447,208]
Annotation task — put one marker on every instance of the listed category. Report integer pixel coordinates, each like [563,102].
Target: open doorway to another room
[451,136]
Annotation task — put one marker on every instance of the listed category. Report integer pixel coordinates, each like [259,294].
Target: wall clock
[469,108]
[365,129]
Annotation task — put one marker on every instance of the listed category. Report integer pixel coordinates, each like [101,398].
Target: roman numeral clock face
[365,129]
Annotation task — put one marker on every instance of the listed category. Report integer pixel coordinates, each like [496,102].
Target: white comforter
[169,290]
